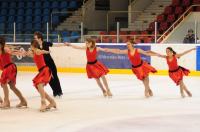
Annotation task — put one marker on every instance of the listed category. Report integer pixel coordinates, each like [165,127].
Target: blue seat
[21,4]
[2,26]
[65,33]
[37,19]
[55,10]
[54,35]
[55,20]
[38,4]
[63,4]
[28,38]
[37,27]
[28,32]
[46,12]
[9,38]
[4,4]
[28,27]
[64,13]
[3,12]
[46,4]
[20,12]
[55,5]
[13,5]
[74,33]
[28,19]
[2,18]
[2,31]
[19,19]
[73,4]
[19,26]
[45,19]
[10,26]
[29,4]
[37,12]
[12,12]
[65,39]
[11,19]
[29,12]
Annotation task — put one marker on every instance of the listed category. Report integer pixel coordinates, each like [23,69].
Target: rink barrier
[74,61]
[111,71]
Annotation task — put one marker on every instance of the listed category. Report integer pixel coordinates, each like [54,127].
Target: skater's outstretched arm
[14,51]
[185,52]
[39,52]
[36,51]
[148,53]
[114,51]
[75,46]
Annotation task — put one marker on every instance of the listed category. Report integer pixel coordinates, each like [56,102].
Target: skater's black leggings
[54,82]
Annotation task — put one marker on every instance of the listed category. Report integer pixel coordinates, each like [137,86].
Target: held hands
[67,44]
[106,50]
[45,52]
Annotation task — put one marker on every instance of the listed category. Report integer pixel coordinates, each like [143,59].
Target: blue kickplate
[198,58]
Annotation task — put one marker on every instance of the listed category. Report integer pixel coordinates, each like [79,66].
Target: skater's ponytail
[170,48]
[132,41]
[2,43]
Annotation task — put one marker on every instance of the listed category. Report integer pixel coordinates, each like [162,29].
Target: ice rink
[84,109]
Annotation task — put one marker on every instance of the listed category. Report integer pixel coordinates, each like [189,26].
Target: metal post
[155,32]
[47,31]
[14,36]
[117,32]
[195,31]
[107,22]
[51,21]
[82,32]
[58,38]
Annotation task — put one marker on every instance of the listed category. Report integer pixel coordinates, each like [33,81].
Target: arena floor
[83,108]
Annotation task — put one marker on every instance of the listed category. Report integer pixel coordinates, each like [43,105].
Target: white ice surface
[83,108]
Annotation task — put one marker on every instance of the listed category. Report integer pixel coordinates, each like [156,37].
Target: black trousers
[54,82]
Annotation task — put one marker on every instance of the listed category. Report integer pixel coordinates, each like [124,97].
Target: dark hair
[39,35]
[170,48]
[2,43]
[35,44]
[91,41]
[132,41]
[190,31]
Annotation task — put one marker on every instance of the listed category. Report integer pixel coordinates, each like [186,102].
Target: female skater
[139,67]
[8,76]
[94,68]
[43,77]
[177,72]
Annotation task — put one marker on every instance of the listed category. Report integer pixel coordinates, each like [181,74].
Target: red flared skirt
[177,75]
[96,70]
[44,76]
[9,74]
[143,70]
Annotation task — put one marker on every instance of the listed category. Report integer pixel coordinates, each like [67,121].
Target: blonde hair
[91,41]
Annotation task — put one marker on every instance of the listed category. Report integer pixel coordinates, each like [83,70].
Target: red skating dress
[44,74]
[9,69]
[94,68]
[139,67]
[176,72]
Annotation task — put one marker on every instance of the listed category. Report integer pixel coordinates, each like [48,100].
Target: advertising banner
[119,61]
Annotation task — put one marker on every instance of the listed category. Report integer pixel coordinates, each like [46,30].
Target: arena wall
[73,60]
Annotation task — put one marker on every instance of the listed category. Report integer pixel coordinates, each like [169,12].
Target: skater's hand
[67,44]
[194,48]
